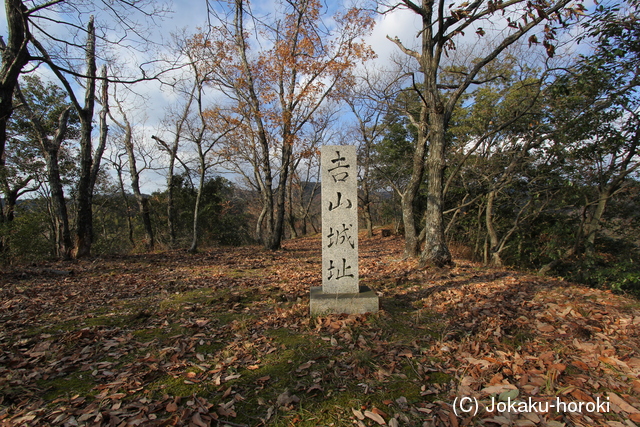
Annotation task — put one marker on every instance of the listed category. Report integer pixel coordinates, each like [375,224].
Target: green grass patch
[176,386]
[174,301]
[69,385]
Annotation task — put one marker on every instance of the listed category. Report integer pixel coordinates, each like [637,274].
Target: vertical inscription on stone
[339,219]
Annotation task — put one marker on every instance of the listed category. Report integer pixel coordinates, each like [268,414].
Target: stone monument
[340,291]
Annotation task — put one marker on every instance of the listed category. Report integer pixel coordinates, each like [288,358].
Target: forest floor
[224,337]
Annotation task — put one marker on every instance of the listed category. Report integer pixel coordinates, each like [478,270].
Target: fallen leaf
[314,387]
[497,389]
[544,327]
[581,396]
[620,403]
[375,417]
[379,412]
[195,419]
[286,399]
[358,414]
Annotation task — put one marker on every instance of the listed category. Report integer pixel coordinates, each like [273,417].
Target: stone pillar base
[365,301]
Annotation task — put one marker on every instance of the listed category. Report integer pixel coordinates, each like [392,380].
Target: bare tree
[369,109]
[134,172]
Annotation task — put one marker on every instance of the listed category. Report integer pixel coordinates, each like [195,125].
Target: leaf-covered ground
[224,338]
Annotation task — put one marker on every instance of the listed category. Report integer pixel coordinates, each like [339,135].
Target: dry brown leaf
[358,414]
[634,363]
[620,403]
[581,396]
[580,365]
[497,389]
[375,417]
[226,412]
[545,327]
[195,419]
[406,353]
[379,412]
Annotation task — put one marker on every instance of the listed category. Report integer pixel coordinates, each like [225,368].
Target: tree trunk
[51,149]
[10,200]
[196,208]
[84,216]
[143,203]
[476,248]
[408,198]
[366,209]
[291,218]
[125,200]
[436,252]
[171,211]
[173,153]
[366,196]
[14,57]
[61,217]
[494,242]
[3,236]
[306,217]
[266,226]
[593,225]
[277,233]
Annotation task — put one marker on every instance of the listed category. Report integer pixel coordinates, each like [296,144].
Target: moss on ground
[75,383]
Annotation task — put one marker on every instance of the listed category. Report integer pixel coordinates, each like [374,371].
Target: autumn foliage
[275,77]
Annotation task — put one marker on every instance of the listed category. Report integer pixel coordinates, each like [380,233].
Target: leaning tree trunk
[171,184]
[593,225]
[125,200]
[143,207]
[143,203]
